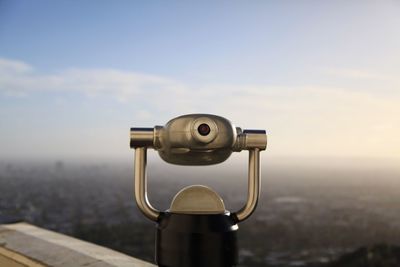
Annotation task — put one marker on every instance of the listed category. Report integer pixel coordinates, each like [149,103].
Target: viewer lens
[203,129]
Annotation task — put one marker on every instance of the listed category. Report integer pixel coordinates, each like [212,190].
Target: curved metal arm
[254,182]
[141,184]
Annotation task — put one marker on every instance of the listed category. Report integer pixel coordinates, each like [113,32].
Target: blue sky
[321,77]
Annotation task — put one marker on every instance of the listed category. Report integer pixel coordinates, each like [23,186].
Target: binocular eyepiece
[204,129]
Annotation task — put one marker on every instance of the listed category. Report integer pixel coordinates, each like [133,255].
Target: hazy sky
[323,78]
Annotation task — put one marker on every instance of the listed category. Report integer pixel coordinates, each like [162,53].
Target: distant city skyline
[321,77]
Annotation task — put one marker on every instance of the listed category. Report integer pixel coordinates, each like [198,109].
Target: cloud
[301,120]
[20,79]
[13,66]
[360,74]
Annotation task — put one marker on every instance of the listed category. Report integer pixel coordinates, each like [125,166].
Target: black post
[196,240]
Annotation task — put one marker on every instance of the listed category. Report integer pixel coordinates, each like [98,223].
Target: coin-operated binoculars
[197,231]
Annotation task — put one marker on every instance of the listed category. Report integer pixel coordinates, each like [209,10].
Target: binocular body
[197,230]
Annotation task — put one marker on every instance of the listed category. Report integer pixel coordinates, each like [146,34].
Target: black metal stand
[196,240]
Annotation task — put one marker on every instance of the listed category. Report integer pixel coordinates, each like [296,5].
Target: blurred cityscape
[306,216]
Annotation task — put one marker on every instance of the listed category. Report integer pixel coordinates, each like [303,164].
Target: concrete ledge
[24,245]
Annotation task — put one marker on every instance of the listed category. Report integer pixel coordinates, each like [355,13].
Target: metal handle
[141,184]
[254,183]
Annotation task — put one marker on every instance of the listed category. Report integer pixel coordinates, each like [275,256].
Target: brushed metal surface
[253,187]
[141,184]
[197,199]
